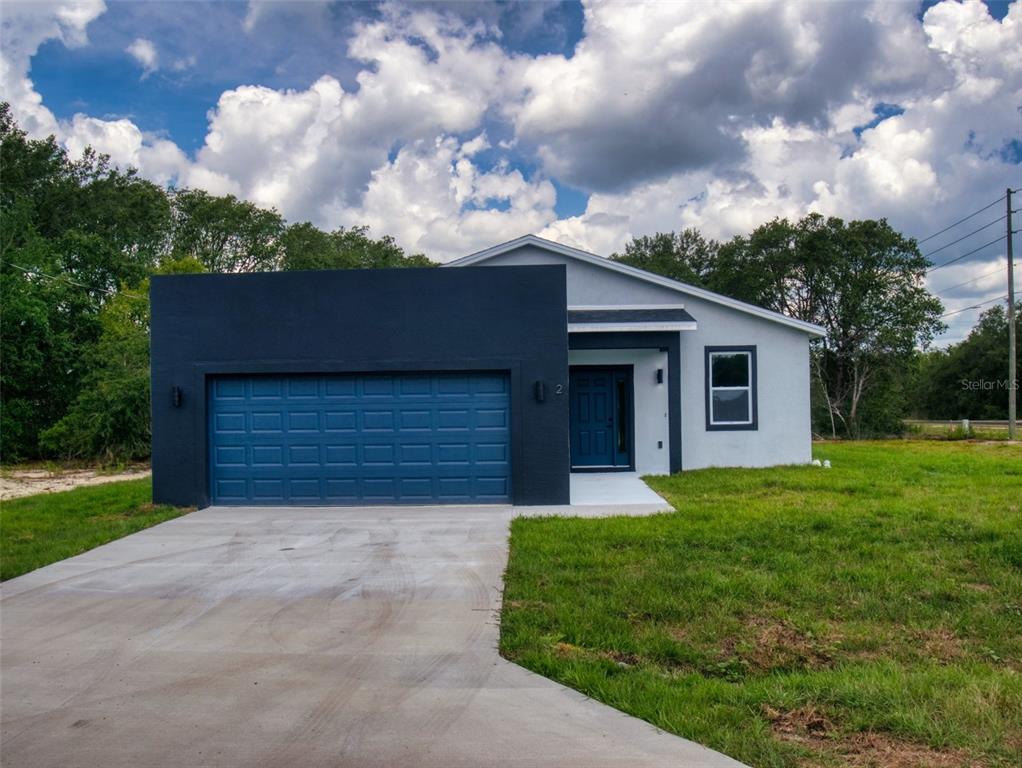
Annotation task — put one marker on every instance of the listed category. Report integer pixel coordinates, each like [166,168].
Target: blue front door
[600,407]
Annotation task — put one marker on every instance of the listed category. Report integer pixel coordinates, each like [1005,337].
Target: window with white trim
[730,388]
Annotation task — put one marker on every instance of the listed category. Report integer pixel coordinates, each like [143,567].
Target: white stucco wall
[784,431]
[649,408]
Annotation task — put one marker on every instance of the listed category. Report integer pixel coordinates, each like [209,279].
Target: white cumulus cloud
[668,115]
[144,52]
[24,26]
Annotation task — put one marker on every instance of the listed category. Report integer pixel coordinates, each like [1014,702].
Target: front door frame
[665,341]
[628,370]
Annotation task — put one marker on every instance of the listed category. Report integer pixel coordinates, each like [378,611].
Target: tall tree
[224,233]
[863,282]
[78,240]
[685,256]
[110,417]
[305,247]
[71,231]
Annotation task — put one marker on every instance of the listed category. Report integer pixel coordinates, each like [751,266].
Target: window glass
[731,405]
[730,389]
[622,417]
[730,369]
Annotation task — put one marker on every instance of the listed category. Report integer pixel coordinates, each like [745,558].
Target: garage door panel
[339,387]
[491,418]
[341,456]
[267,389]
[490,385]
[230,389]
[491,453]
[228,489]
[267,455]
[416,454]
[268,422]
[341,421]
[265,489]
[376,420]
[303,388]
[491,487]
[341,439]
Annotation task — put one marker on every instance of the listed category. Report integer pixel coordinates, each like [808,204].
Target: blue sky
[456,125]
[209,45]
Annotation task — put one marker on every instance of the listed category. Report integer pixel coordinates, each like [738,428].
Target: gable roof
[640,274]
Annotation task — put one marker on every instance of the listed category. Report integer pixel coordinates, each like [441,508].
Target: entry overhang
[602,319]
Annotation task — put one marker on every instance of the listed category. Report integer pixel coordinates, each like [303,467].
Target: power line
[37,273]
[952,226]
[967,253]
[966,237]
[966,282]
[975,306]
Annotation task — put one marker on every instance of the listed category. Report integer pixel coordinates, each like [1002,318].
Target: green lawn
[41,529]
[870,614]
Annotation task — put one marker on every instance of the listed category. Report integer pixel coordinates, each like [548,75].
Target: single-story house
[487,381]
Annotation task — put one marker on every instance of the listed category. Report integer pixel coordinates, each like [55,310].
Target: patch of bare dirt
[810,728]
[939,644]
[16,483]
[678,633]
[875,750]
[978,587]
[780,645]
[567,649]
[621,659]
[799,724]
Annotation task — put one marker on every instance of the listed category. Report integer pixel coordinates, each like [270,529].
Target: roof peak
[635,272]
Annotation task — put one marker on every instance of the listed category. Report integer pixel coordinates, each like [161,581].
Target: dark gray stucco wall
[360,321]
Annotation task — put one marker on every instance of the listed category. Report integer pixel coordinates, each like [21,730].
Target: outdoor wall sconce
[659,375]
[175,396]
[540,392]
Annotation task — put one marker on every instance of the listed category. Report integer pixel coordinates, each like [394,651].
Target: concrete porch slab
[589,489]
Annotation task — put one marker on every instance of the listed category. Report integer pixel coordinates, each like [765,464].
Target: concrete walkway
[304,637]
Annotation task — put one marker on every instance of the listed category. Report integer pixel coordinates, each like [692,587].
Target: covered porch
[625,392]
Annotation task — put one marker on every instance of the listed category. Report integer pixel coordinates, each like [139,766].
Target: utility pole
[1012,381]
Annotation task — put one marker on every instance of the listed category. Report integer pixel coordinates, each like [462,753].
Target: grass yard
[41,529]
[866,615]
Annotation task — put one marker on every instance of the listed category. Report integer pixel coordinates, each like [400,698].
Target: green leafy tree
[44,324]
[78,240]
[224,233]
[110,418]
[861,280]
[70,232]
[968,380]
[685,256]
[306,247]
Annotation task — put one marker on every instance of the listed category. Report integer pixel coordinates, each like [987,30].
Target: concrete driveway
[294,637]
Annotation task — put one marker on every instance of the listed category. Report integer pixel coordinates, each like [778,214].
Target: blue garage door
[347,439]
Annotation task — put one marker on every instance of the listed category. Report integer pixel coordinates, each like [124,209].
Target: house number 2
[559,389]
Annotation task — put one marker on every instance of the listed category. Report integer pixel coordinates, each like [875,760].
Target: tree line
[80,238]
[862,281]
